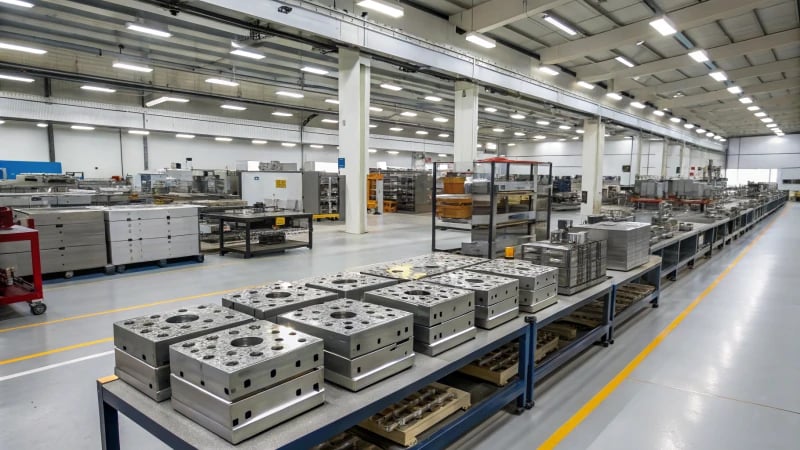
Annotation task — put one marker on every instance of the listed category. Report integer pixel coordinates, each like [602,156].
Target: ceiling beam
[601,71]
[734,104]
[496,13]
[684,19]
[721,94]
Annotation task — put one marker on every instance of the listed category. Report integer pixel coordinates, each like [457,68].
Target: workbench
[342,409]
[265,220]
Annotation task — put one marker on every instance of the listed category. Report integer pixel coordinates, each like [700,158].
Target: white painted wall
[23,142]
[764,152]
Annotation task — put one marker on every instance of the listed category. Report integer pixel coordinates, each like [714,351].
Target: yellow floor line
[55,350]
[567,427]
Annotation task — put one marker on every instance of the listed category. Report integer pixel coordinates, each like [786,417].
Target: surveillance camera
[174,11]
[284,9]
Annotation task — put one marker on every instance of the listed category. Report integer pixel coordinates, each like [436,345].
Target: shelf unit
[323,194]
[410,189]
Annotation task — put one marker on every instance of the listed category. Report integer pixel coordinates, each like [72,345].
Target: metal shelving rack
[323,194]
[510,201]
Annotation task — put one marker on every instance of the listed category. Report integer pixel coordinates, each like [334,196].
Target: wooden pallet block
[563,330]
[346,440]
[498,378]
[406,435]
[545,349]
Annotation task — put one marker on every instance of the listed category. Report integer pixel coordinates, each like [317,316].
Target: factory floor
[725,376]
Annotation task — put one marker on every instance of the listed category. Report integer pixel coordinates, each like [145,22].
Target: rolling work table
[265,220]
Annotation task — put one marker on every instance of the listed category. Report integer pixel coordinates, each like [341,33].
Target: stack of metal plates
[364,342]
[538,285]
[496,297]
[348,284]
[421,266]
[628,242]
[269,301]
[242,381]
[141,344]
[443,316]
[580,266]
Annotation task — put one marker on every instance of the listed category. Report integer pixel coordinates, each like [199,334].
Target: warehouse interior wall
[764,152]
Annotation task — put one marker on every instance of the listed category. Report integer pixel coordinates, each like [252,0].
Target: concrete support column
[594,141]
[664,159]
[685,160]
[639,151]
[354,79]
[465,125]
[51,140]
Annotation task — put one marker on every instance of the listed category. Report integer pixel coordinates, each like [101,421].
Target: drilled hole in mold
[183,318]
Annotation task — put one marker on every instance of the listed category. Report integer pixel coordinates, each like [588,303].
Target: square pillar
[594,142]
[465,125]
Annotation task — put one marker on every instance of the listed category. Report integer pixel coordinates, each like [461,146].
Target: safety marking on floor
[567,427]
[53,366]
[54,351]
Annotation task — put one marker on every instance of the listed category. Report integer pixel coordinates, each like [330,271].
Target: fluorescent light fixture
[314,70]
[442,155]
[575,138]
[479,146]
[542,122]
[184,136]
[223,139]
[16,78]
[511,144]
[243,51]
[699,55]
[753,108]
[638,105]
[288,144]
[717,137]
[659,113]
[734,89]
[131,66]
[289,94]
[607,135]
[139,132]
[519,133]
[489,109]
[558,24]
[98,89]
[675,119]
[375,109]
[396,129]
[233,107]
[710,134]
[517,116]
[408,114]
[561,140]
[688,126]
[222,82]
[623,60]
[392,152]
[391,87]
[580,131]
[372,150]
[586,85]
[760,114]
[772,125]
[498,130]
[258,141]
[491,146]
[700,131]
[433,98]
[82,127]
[480,40]
[331,101]
[767,120]
[373,126]
[444,135]
[746,100]
[614,96]
[564,127]
[383,7]
[22,48]
[719,76]
[548,70]
[152,31]
[17,3]
[316,146]
[663,26]
[421,132]
[282,114]
[441,119]
[42,125]
[539,137]
[164,99]
[330,121]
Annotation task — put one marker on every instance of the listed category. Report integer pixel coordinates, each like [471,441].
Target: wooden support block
[496,377]
[347,440]
[563,330]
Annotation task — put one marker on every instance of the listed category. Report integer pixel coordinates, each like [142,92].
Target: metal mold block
[488,317]
[358,373]
[530,298]
[351,328]
[349,284]
[237,421]
[530,276]
[435,340]
[235,363]
[538,306]
[153,381]
[421,266]
[431,303]
[269,301]
[148,337]
[489,289]
[372,377]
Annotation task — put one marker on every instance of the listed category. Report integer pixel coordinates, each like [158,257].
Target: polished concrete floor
[727,377]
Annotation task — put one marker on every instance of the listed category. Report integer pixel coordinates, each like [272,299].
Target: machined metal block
[148,337]
[540,305]
[351,328]
[489,289]
[153,381]
[421,266]
[358,373]
[434,340]
[348,284]
[530,298]
[431,303]
[235,363]
[269,301]
[237,421]
[491,316]
[530,275]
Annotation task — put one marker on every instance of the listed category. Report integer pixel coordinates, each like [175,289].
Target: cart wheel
[38,308]
[121,268]
[200,258]
[69,274]
[109,269]
[162,263]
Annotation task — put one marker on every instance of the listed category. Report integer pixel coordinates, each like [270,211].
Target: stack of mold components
[244,380]
[141,344]
[628,242]
[443,316]
[269,301]
[580,266]
[496,297]
[538,285]
[350,285]
[421,266]
[364,342]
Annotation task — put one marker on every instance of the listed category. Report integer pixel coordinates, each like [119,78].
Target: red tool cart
[15,289]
